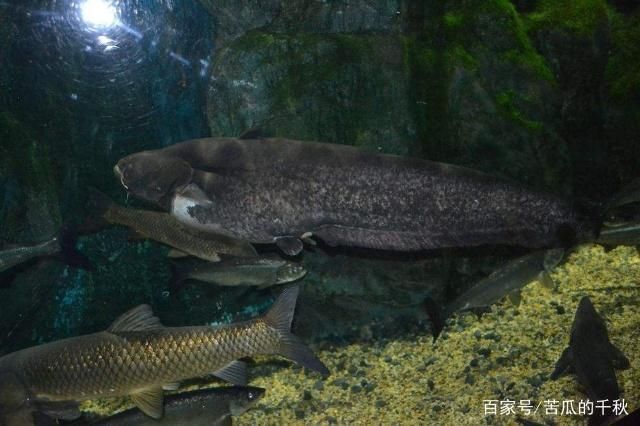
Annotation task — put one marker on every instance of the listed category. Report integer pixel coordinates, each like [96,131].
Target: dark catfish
[591,356]
[283,191]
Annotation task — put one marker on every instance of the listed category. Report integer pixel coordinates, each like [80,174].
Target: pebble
[485,352]
[381,403]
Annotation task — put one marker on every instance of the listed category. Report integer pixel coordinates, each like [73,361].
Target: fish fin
[563,363]
[140,318]
[171,386]
[437,315]
[306,238]
[68,252]
[280,317]
[176,254]
[290,246]
[59,410]
[619,360]
[545,279]
[223,421]
[253,133]
[235,373]
[552,258]
[515,297]
[150,401]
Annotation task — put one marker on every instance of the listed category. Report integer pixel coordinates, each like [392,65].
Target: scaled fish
[213,406]
[284,191]
[506,281]
[138,356]
[591,356]
[62,245]
[165,229]
[251,271]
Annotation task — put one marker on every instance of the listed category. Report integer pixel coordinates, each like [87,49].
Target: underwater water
[316,203]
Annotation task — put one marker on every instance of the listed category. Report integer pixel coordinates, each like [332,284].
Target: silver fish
[257,271]
[214,406]
[507,280]
[63,245]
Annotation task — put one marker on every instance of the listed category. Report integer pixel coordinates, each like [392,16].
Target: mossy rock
[338,88]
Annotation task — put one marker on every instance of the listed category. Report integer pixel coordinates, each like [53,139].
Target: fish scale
[140,360]
[138,356]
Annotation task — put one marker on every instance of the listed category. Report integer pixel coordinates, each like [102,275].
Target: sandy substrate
[506,354]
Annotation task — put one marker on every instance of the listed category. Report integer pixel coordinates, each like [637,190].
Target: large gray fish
[214,406]
[506,281]
[257,271]
[62,245]
[282,191]
[165,229]
[138,356]
[592,357]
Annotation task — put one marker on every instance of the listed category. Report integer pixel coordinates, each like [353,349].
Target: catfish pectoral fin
[150,401]
[291,246]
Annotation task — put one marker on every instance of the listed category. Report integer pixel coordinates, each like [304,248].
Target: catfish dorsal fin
[140,318]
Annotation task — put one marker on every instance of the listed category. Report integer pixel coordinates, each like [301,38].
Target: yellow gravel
[506,354]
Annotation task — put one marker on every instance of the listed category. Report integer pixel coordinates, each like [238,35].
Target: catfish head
[152,176]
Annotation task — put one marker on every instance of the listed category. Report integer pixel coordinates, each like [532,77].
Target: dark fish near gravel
[617,235]
[506,281]
[214,406]
[591,356]
[284,191]
[139,357]
[165,229]
[62,246]
[257,271]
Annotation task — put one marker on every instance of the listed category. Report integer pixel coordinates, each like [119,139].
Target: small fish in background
[139,357]
[592,357]
[62,246]
[214,406]
[623,234]
[163,228]
[506,281]
[257,271]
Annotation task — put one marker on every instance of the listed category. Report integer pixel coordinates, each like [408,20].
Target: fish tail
[437,315]
[67,239]
[290,346]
